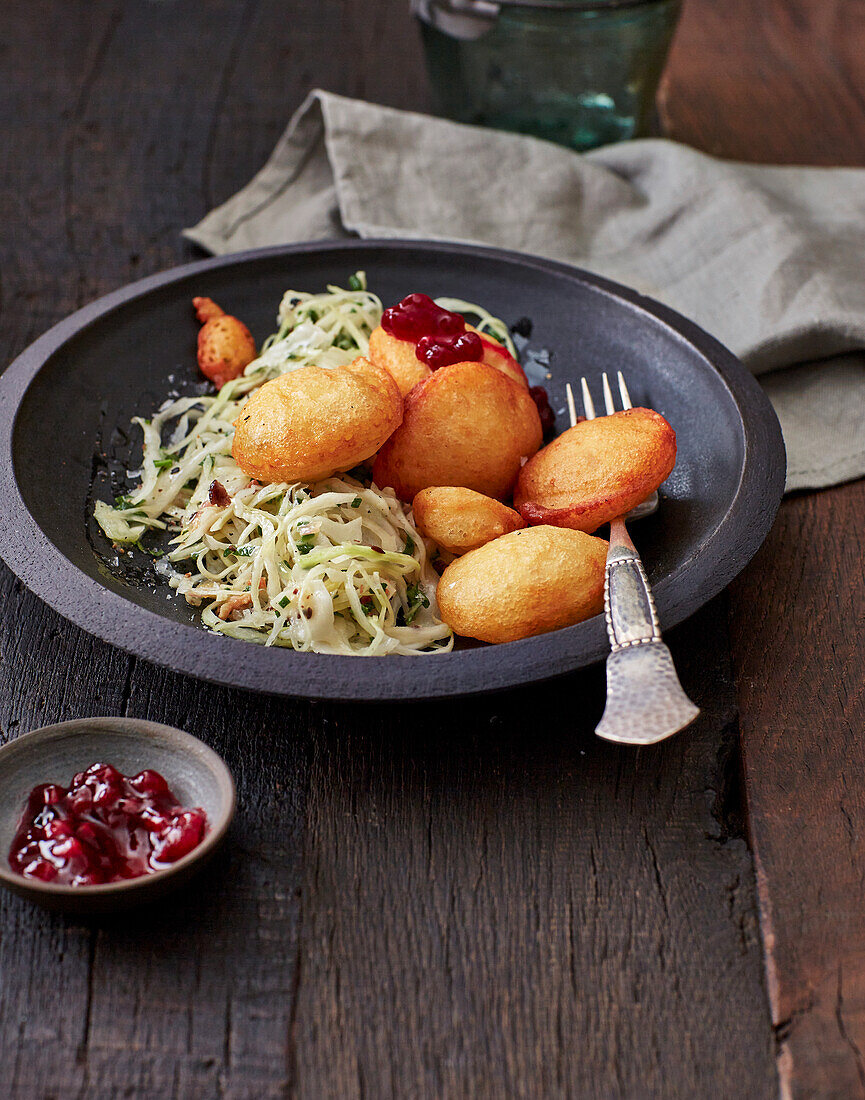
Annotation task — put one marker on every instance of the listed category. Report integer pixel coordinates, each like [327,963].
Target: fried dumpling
[525,583]
[460,520]
[596,471]
[313,422]
[467,424]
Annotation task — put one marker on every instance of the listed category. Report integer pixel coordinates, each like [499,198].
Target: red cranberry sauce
[105,828]
[439,335]
[540,397]
[441,351]
[417,315]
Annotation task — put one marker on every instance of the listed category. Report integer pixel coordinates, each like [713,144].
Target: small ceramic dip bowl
[53,754]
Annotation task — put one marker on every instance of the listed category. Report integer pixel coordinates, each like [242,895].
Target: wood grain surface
[461,900]
[787,81]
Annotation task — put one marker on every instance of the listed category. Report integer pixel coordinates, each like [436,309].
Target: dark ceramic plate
[66,402]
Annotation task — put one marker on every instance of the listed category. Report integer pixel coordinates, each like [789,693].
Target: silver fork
[645,701]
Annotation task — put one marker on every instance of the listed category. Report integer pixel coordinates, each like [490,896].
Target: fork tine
[623,390]
[608,395]
[572,408]
[588,404]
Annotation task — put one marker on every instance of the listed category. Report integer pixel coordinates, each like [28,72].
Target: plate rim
[190,649]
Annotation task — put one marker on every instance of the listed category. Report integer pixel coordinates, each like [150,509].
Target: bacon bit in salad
[218,495]
[232,604]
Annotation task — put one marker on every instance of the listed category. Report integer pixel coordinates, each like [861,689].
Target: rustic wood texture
[778,81]
[784,81]
[800,686]
[495,903]
[463,900]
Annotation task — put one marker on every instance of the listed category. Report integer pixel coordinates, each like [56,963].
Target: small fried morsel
[206,309]
[399,358]
[225,345]
[459,520]
[313,422]
[525,583]
[596,471]
[467,424]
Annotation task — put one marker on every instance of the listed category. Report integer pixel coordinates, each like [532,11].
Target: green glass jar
[579,73]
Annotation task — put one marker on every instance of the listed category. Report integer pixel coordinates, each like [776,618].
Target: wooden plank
[185,999]
[496,903]
[44,663]
[801,675]
[785,84]
[772,81]
[204,985]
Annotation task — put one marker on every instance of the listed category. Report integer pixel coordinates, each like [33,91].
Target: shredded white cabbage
[327,330]
[334,567]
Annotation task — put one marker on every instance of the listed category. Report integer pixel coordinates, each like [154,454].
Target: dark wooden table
[472,900]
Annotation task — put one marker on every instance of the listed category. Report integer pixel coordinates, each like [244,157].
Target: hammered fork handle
[645,701]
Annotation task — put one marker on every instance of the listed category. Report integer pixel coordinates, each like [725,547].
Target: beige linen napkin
[769,260]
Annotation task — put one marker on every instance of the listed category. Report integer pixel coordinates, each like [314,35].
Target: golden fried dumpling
[467,424]
[596,471]
[313,422]
[459,519]
[525,583]
[399,358]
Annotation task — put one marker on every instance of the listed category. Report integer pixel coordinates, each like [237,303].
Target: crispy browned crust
[467,424]
[313,422]
[597,470]
[459,519]
[525,583]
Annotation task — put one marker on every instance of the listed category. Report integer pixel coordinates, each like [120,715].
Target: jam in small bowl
[105,827]
[103,813]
